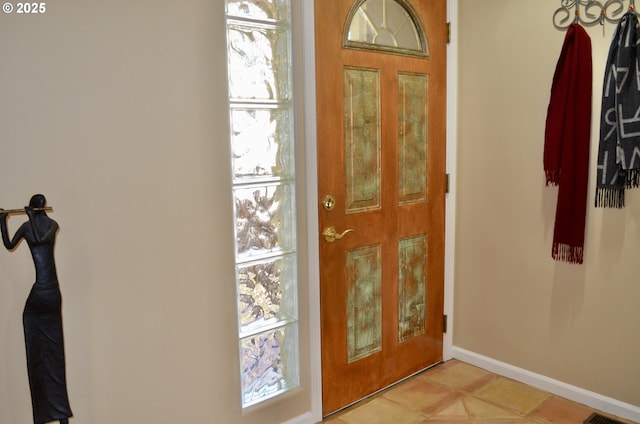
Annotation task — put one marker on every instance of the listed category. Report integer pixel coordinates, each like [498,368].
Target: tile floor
[456,392]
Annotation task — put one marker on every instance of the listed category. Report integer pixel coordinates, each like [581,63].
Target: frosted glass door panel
[412,137]
[412,286]
[364,302]
[362,138]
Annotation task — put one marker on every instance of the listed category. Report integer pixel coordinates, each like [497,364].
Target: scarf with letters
[619,147]
[567,141]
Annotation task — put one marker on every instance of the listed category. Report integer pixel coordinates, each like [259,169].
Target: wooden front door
[380,70]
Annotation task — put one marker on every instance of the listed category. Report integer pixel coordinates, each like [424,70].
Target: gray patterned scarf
[619,148]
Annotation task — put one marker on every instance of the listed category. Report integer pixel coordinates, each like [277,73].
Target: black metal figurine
[42,316]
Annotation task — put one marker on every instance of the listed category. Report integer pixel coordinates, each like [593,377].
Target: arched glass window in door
[386,25]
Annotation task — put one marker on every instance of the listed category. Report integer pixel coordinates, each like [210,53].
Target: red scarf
[566,143]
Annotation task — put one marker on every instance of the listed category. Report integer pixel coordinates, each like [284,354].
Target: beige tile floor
[455,393]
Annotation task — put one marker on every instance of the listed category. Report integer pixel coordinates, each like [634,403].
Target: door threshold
[367,398]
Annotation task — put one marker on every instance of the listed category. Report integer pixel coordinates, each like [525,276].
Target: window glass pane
[259,63]
[259,9]
[267,293]
[269,363]
[261,142]
[386,25]
[265,220]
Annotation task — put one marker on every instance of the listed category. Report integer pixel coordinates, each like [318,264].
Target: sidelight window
[262,146]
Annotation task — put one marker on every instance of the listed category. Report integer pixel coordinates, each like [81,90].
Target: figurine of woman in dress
[42,316]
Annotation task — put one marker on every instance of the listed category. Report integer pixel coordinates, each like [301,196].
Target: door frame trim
[450,205]
[311,191]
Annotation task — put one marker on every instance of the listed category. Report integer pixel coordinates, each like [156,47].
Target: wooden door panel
[381,146]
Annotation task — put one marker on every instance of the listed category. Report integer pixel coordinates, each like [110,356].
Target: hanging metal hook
[595,12]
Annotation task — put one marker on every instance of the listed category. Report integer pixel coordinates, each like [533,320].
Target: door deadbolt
[329,202]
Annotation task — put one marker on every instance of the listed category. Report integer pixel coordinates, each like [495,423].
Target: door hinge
[448,32]
[446,183]
[444,323]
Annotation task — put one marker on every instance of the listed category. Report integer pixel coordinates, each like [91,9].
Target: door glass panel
[412,285]
[259,62]
[362,138]
[412,137]
[387,25]
[268,362]
[261,142]
[364,302]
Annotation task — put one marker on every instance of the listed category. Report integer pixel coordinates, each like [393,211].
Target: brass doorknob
[331,235]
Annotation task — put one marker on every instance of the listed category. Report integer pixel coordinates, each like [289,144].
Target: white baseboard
[567,391]
[306,418]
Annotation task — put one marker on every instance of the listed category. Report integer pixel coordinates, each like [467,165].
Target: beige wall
[117,112]
[114,108]
[575,323]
